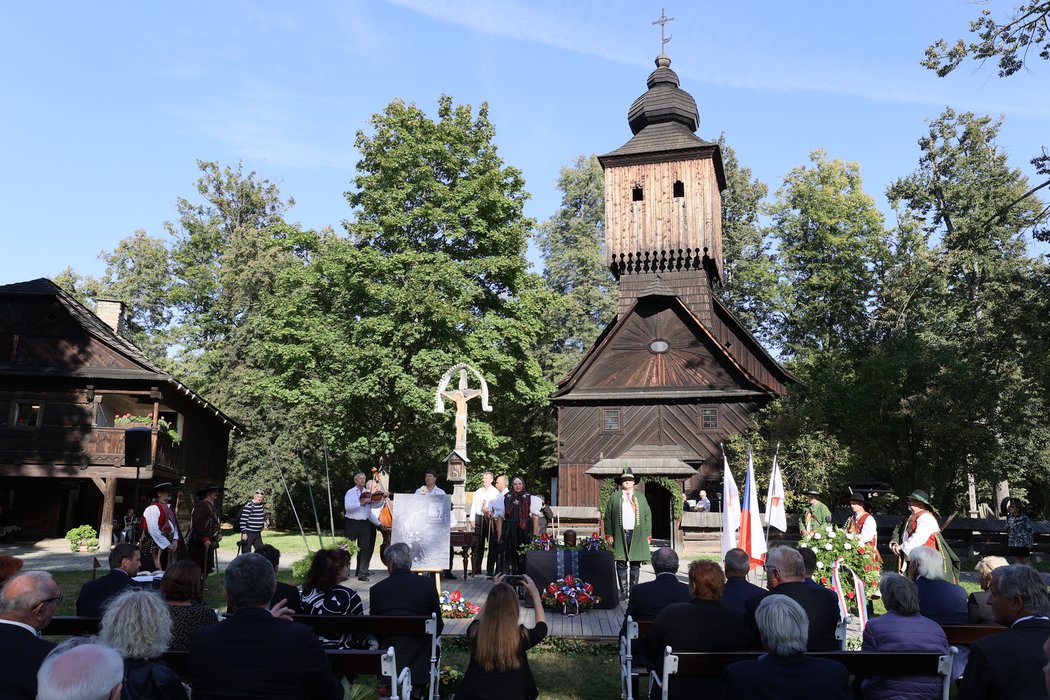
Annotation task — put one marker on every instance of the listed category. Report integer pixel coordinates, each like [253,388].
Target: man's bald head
[30,598]
[84,671]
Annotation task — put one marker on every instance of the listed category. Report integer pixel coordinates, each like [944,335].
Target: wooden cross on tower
[664,19]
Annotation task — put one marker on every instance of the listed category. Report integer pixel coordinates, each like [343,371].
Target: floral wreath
[455,607]
[571,594]
[832,544]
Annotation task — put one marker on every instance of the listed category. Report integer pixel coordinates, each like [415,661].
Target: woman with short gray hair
[787,672]
[902,628]
[940,600]
[138,625]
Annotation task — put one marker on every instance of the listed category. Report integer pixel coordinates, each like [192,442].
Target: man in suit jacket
[1009,665]
[738,589]
[254,654]
[124,560]
[27,602]
[406,593]
[701,624]
[786,672]
[649,599]
[285,591]
[785,572]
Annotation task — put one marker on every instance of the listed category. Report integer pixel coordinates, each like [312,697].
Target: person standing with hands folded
[629,528]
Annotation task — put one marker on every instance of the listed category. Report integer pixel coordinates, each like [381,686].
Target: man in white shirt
[357,509]
[160,544]
[483,524]
[498,515]
[430,488]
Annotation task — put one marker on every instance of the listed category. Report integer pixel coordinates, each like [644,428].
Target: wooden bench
[344,662]
[965,635]
[857,663]
[72,626]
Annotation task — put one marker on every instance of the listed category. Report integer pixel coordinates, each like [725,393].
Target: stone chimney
[111,311]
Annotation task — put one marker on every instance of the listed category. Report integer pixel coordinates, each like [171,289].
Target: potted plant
[82,539]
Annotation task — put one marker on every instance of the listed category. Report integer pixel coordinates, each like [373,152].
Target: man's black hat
[627,474]
[208,488]
[165,486]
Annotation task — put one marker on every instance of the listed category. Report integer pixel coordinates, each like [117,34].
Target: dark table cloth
[596,568]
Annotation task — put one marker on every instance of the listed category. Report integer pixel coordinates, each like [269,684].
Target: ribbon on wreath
[858,587]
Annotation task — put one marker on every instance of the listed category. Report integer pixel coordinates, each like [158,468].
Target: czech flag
[751,540]
[730,508]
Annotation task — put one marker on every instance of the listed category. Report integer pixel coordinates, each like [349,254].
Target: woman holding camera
[499,665]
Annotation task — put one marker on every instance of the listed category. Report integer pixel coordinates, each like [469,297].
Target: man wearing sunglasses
[27,602]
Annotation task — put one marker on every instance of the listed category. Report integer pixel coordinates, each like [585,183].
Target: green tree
[1011,41]
[575,268]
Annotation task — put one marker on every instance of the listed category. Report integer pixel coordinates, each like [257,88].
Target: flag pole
[775,453]
[722,518]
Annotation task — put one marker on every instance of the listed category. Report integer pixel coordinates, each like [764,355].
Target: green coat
[643,527]
[821,517]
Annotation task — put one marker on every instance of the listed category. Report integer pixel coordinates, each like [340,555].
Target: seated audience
[809,566]
[253,654]
[407,593]
[979,612]
[9,566]
[784,573]
[27,602]
[323,594]
[181,588]
[649,599]
[701,624]
[285,591]
[738,589]
[1007,665]
[138,625]
[786,672]
[942,601]
[123,565]
[902,628]
[499,662]
[79,670]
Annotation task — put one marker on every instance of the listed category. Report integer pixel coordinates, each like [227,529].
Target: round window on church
[659,346]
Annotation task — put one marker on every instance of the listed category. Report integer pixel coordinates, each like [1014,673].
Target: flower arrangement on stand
[594,543]
[449,681]
[455,607]
[831,544]
[570,594]
[541,543]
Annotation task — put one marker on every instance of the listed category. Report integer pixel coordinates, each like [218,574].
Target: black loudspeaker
[137,443]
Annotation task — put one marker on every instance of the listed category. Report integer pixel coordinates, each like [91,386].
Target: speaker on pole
[137,444]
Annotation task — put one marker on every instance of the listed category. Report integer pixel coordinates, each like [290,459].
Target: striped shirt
[253,517]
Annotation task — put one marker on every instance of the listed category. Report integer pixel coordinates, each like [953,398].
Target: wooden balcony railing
[105,447]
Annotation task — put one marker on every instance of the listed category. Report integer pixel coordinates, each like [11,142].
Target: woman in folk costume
[517,526]
[629,527]
[862,523]
[921,529]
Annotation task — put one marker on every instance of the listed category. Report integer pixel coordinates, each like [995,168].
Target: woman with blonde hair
[137,624]
[980,612]
[499,664]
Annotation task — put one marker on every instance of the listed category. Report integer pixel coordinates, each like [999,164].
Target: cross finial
[664,19]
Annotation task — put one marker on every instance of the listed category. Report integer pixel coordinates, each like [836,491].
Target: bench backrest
[856,662]
[345,662]
[72,626]
[968,634]
[379,625]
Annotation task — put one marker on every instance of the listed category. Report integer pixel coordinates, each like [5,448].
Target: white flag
[776,515]
[730,508]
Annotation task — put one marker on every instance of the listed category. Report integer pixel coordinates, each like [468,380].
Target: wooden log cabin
[675,373]
[68,380]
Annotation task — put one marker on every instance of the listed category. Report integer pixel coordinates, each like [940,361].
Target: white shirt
[152,515]
[925,527]
[436,492]
[498,506]
[627,516]
[484,496]
[352,508]
[869,530]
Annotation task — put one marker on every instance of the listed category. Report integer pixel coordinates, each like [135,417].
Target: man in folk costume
[921,529]
[160,529]
[205,528]
[629,528]
[815,516]
[862,523]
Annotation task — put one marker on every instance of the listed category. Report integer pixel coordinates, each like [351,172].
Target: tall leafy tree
[575,268]
[1012,41]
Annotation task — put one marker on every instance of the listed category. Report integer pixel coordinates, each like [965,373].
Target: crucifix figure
[664,19]
[461,396]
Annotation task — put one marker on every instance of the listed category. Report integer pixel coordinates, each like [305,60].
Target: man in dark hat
[815,516]
[862,523]
[205,528]
[921,529]
[629,528]
[160,537]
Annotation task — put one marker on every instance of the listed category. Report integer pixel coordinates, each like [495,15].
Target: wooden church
[676,373]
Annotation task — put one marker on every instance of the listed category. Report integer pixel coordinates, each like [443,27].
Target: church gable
[659,345]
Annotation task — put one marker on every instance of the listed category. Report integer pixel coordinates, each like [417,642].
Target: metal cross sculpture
[461,396]
[664,19]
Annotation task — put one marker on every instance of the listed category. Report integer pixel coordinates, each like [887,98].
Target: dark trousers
[361,532]
[251,543]
[621,566]
[485,536]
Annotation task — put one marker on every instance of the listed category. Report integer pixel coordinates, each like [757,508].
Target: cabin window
[611,420]
[659,346]
[709,418]
[636,194]
[27,414]
[679,188]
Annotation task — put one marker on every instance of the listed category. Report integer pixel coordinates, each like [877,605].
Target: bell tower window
[679,188]
[636,194]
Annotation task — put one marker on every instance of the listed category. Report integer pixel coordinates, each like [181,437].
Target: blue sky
[107,106]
